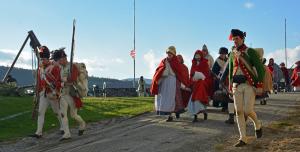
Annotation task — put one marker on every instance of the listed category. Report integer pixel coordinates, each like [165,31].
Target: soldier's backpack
[260,52]
[80,87]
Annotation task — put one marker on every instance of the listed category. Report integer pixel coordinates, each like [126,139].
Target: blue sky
[104,35]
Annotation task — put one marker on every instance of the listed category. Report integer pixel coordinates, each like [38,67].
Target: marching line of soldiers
[56,87]
[235,80]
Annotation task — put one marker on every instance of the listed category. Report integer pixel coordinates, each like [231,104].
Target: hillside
[26,77]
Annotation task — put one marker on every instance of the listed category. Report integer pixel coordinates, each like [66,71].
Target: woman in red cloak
[198,75]
[166,84]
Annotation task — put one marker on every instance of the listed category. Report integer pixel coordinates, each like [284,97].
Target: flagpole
[134,43]
[285,42]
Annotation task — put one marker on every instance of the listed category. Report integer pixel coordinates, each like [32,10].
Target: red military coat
[49,79]
[199,87]
[296,77]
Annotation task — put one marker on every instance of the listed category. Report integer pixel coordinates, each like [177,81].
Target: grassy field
[94,109]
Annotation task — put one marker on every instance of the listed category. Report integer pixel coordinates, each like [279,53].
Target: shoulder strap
[247,65]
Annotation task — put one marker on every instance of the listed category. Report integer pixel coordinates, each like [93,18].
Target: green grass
[13,105]
[94,109]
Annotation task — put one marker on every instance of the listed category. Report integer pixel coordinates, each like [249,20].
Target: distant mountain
[148,81]
[26,77]
[23,76]
[110,83]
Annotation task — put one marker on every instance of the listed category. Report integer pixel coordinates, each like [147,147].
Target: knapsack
[260,52]
[81,84]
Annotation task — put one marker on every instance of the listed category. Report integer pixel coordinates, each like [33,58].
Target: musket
[72,56]
[72,50]
[36,99]
[35,44]
[222,84]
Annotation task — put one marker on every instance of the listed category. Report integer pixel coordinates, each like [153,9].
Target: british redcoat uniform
[67,98]
[244,82]
[295,79]
[49,87]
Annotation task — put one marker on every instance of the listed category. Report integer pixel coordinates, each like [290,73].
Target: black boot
[258,133]
[261,102]
[61,132]
[240,143]
[36,136]
[170,118]
[265,101]
[195,118]
[230,119]
[177,115]
[205,115]
[80,132]
[224,109]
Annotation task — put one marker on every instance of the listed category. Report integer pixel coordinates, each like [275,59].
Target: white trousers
[65,102]
[141,94]
[43,105]
[244,100]
[297,88]
[231,108]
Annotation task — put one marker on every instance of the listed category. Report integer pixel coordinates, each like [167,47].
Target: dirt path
[148,132]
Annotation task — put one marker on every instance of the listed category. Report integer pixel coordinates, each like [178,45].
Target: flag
[132,54]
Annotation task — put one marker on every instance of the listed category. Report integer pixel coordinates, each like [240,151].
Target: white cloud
[8,51]
[249,5]
[24,60]
[19,65]
[152,61]
[117,60]
[25,55]
[293,55]
[95,66]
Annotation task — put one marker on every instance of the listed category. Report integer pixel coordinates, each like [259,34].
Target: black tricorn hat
[237,32]
[223,50]
[58,54]
[44,52]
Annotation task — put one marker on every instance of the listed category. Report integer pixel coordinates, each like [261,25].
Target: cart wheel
[261,102]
